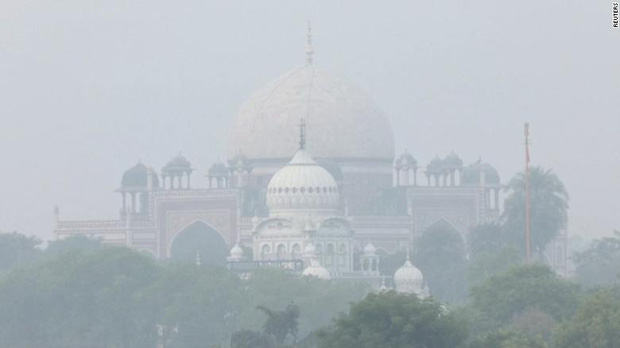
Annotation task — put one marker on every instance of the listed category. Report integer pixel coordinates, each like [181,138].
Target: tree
[79,300]
[506,339]
[503,296]
[535,324]
[596,324]
[549,205]
[72,244]
[489,263]
[17,250]
[202,304]
[251,339]
[440,255]
[282,323]
[390,319]
[600,263]
[318,300]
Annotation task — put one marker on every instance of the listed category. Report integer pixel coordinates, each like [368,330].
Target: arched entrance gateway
[199,239]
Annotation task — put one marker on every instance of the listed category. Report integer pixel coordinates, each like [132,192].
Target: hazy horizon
[91,87]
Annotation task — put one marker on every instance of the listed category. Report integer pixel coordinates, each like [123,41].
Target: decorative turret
[219,175]
[484,176]
[406,168]
[433,170]
[136,182]
[239,168]
[177,172]
[452,166]
[480,174]
[370,260]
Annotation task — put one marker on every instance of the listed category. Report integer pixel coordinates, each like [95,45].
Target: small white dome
[409,279]
[236,252]
[302,185]
[370,249]
[316,270]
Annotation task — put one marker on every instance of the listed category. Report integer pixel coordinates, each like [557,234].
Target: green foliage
[251,339]
[76,300]
[507,339]
[203,304]
[116,297]
[489,263]
[17,250]
[549,205]
[535,324]
[318,300]
[393,320]
[503,296]
[440,255]
[596,324]
[73,244]
[600,263]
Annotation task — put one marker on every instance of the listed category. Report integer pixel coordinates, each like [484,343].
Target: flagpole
[527,194]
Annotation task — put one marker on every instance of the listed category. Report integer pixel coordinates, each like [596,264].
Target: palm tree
[549,205]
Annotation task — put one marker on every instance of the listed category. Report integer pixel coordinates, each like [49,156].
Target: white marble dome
[409,279]
[343,122]
[302,186]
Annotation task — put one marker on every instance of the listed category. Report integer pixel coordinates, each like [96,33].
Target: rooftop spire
[309,48]
[302,134]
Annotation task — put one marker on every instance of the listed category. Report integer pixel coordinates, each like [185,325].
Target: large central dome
[343,122]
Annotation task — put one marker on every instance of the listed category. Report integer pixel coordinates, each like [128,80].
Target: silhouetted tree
[280,324]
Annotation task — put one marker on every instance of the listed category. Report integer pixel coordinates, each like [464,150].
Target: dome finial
[309,48]
[302,134]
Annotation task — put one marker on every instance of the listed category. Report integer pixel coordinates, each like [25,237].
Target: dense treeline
[78,293]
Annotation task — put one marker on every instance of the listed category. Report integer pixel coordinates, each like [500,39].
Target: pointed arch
[199,238]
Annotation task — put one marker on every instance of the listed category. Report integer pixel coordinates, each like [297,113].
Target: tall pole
[528,231]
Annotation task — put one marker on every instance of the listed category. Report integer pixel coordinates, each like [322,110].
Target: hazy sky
[89,87]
